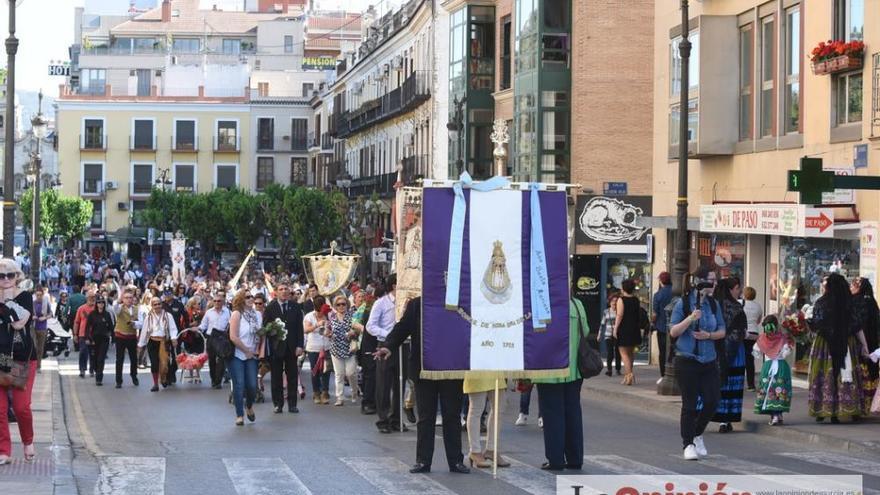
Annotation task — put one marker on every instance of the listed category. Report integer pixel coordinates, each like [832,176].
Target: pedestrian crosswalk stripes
[131,475]
[392,477]
[528,478]
[846,462]
[263,476]
[621,465]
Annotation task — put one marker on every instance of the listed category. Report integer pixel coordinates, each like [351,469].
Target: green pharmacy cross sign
[811,181]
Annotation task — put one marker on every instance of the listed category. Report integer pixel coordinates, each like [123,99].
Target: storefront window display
[802,265]
[725,254]
[619,269]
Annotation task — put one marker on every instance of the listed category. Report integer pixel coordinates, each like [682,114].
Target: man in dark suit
[282,356]
[449,393]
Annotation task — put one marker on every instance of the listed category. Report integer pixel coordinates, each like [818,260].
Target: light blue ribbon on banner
[539,290]
[456,235]
[540,284]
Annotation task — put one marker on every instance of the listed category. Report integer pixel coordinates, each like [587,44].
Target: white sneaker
[521,420]
[540,422]
[690,453]
[659,380]
[700,446]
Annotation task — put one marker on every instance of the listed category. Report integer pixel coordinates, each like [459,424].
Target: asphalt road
[183,441]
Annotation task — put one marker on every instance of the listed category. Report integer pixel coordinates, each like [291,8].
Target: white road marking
[621,465]
[836,460]
[263,476]
[740,466]
[391,476]
[527,478]
[131,475]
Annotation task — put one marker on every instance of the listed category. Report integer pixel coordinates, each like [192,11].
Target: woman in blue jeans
[243,326]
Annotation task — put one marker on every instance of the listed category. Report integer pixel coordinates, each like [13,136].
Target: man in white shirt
[382,319]
[216,320]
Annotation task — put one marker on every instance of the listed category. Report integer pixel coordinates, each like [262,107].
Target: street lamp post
[9,150]
[39,127]
[457,126]
[681,257]
[163,181]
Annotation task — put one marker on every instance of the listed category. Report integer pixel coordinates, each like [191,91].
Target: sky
[44,29]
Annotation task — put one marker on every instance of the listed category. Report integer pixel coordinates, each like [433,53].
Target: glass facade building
[472,80]
[542,85]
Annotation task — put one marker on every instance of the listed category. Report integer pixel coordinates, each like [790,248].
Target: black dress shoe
[368,410]
[155,388]
[548,467]
[384,429]
[459,468]
[608,373]
[293,409]
[134,381]
[277,410]
[420,468]
[410,415]
[834,420]
[574,467]
[217,386]
[99,384]
[118,385]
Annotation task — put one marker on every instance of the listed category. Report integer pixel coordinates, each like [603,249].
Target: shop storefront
[725,254]
[611,248]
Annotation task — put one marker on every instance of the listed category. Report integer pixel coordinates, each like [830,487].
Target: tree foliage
[242,217]
[48,205]
[72,217]
[162,211]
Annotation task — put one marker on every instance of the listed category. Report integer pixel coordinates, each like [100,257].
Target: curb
[63,480]
[670,407]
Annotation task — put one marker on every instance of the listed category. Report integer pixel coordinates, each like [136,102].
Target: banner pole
[400,378]
[495,428]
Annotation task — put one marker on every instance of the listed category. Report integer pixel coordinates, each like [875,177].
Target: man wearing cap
[662,298]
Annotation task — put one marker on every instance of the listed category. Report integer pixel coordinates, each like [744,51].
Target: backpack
[589,362]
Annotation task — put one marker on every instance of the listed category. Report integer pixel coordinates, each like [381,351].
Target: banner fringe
[512,374]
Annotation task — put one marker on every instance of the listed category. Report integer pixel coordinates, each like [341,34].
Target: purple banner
[446,337]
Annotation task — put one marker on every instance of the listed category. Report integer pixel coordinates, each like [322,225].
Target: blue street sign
[860,156]
[614,189]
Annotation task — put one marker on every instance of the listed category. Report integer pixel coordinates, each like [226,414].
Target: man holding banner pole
[379,325]
[428,392]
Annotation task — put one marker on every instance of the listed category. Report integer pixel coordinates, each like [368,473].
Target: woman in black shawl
[867,319]
[731,354]
[835,384]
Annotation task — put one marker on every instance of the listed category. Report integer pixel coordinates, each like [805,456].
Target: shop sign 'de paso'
[611,220]
[784,220]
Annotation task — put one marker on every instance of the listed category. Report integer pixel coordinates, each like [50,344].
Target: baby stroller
[193,355]
[57,339]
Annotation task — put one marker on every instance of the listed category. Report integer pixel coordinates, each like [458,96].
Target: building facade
[756,107]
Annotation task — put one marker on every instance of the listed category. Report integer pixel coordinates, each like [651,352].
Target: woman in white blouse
[243,326]
[159,336]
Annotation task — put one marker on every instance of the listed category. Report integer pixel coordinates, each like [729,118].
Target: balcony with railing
[92,142]
[227,144]
[92,188]
[413,92]
[141,189]
[415,168]
[382,185]
[326,142]
[314,141]
[122,92]
[184,145]
[138,143]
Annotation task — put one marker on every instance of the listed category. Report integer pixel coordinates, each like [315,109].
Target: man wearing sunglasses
[215,324]
[79,334]
[282,355]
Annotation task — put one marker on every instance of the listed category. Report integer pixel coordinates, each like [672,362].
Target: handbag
[588,360]
[16,377]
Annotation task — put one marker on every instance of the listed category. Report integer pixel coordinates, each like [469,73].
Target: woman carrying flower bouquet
[244,324]
[867,318]
[343,347]
[774,387]
[835,387]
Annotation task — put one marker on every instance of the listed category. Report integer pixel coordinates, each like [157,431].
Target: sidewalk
[41,476]
[863,437]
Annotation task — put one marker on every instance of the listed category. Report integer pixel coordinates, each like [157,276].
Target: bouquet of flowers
[274,329]
[796,326]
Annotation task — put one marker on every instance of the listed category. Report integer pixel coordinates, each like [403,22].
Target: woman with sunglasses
[343,347]
[243,326]
[99,327]
[159,336]
[16,349]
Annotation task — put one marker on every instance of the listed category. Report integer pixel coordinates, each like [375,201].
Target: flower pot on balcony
[820,68]
[844,63]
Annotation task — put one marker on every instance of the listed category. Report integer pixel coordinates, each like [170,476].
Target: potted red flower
[833,56]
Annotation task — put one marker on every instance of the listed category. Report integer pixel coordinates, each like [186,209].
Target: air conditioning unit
[111,185]
[158,73]
[132,73]
[122,205]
